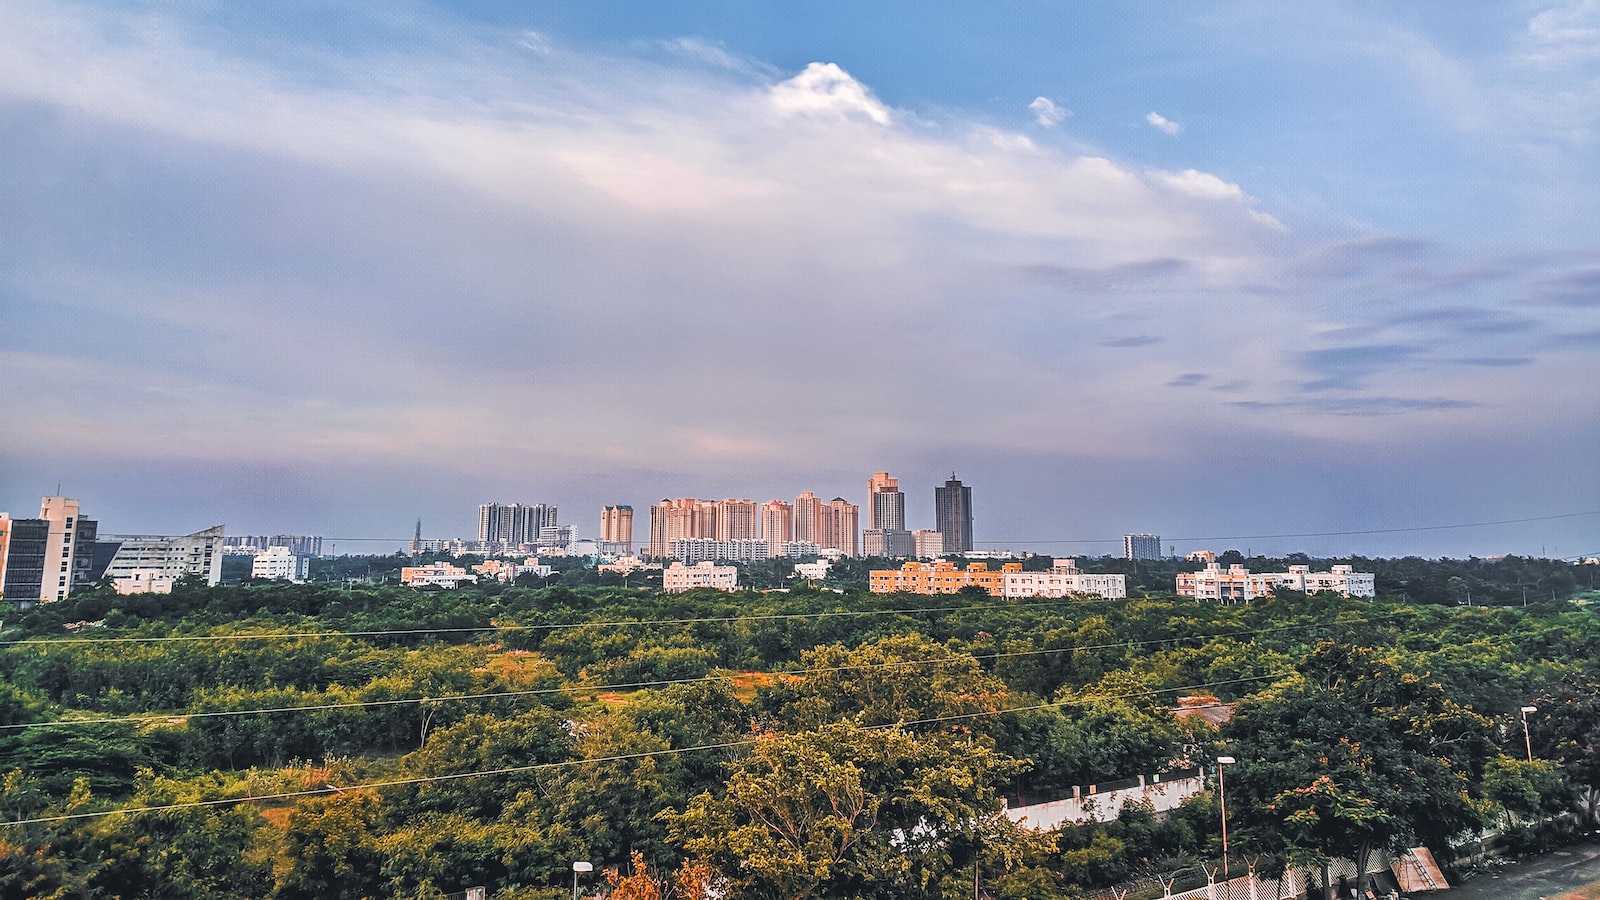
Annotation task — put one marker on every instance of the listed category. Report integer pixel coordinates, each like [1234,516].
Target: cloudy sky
[1211,271]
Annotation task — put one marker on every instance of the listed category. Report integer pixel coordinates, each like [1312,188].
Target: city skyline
[1204,271]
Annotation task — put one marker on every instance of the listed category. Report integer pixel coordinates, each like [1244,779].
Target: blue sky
[1202,270]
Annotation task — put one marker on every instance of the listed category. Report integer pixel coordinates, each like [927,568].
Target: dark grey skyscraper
[952,505]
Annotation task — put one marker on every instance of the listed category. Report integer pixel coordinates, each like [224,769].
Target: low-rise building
[1341,579]
[1238,584]
[694,550]
[814,571]
[940,577]
[436,574]
[1063,580]
[280,563]
[677,578]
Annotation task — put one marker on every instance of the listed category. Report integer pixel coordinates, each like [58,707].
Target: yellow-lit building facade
[941,578]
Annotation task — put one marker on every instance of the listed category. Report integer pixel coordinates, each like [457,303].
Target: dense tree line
[815,742]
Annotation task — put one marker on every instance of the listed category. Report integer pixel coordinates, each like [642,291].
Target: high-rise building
[952,505]
[1141,546]
[886,533]
[512,524]
[616,526]
[808,518]
[22,558]
[672,520]
[46,558]
[841,527]
[737,520]
[777,525]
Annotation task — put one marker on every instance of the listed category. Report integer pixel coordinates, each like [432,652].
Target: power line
[1306,534]
[619,623]
[558,764]
[669,682]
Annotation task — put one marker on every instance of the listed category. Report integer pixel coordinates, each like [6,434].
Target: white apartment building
[693,550]
[280,563]
[1063,580]
[1343,579]
[1240,585]
[815,571]
[677,578]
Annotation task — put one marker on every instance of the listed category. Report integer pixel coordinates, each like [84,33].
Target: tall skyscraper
[511,524]
[888,504]
[1141,546]
[777,525]
[841,527]
[46,558]
[808,518]
[952,505]
[886,533]
[616,526]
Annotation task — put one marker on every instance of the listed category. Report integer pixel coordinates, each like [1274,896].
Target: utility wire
[636,685]
[557,626]
[1306,534]
[559,764]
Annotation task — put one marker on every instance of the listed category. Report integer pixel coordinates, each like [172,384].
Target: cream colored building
[280,564]
[927,543]
[1063,580]
[1239,585]
[437,574]
[777,525]
[677,578]
[616,526]
[841,527]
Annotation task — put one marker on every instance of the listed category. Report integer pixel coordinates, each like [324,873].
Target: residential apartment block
[510,525]
[279,563]
[1063,580]
[677,578]
[1141,546]
[616,527]
[940,577]
[1239,585]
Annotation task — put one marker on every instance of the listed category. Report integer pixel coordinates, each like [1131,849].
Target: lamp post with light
[1222,801]
[579,867]
[1527,736]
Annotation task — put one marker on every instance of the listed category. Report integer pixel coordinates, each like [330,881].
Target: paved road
[1571,870]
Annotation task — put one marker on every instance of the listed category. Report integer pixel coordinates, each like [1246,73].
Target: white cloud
[1162,123]
[1199,184]
[826,89]
[1047,113]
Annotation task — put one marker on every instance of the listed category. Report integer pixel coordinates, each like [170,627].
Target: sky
[1214,271]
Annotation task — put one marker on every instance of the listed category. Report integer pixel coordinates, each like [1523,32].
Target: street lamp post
[1527,736]
[1222,801]
[579,867]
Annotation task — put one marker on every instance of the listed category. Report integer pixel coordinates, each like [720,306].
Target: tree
[1353,756]
[845,811]
[1569,733]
